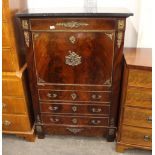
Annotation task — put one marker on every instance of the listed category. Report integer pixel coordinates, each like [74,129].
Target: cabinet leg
[120,148]
[30,138]
[40,132]
[110,138]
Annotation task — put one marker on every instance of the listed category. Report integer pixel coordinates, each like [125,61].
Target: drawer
[13,105]
[139,97]
[79,58]
[75,109]
[6,39]
[7,60]
[140,78]
[75,120]
[73,24]
[137,117]
[74,95]
[12,86]
[77,131]
[136,136]
[15,123]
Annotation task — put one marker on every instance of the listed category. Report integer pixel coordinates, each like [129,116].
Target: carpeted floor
[63,145]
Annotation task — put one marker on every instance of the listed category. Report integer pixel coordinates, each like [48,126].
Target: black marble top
[75,12]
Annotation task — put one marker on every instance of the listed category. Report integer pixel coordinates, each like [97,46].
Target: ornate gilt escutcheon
[72,39]
[74,108]
[107,82]
[74,130]
[25,24]
[4,106]
[110,35]
[35,36]
[54,120]
[74,121]
[74,96]
[27,38]
[121,24]
[72,59]
[72,24]
[6,123]
[96,110]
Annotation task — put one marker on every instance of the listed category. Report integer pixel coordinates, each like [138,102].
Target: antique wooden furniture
[135,124]
[74,64]
[15,99]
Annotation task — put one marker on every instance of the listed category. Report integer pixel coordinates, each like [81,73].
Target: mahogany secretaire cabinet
[16,101]
[75,64]
[135,125]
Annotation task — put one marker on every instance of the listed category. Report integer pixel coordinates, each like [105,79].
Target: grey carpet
[63,145]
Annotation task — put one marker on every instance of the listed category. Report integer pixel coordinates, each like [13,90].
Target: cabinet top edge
[76,12]
[138,57]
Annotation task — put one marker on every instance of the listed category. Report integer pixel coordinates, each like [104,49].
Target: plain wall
[138,27]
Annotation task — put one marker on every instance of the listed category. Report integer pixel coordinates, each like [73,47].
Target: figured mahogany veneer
[70,95]
[75,120]
[83,109]
[135,122]
[75,66]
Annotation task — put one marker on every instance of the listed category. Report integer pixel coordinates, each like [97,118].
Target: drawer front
[73,24]
[77,131]
[140,78]
[75,95]
[15,123]
[12,87]
[12,105]
[75,109]
[74,120]
[7,60]
[137,136]
[137,117]
[80,58]
[6,42]
[139,97]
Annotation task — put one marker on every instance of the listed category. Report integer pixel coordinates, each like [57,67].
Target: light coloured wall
[137,33]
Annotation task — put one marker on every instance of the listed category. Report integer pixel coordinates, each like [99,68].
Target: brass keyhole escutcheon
[72,39]
[74,108]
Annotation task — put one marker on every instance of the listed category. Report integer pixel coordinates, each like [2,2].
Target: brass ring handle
[147,138]
[96,110]
[53,108]
[4,106]
[95,122]
[54,95]
[7,123]
[54,120]
[149,119]
[96,96]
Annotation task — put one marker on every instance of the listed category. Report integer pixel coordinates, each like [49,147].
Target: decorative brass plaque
[72,39]
[74,130]
[121,24]
[73,59]
[110,35]
[25,24]
[119,39]
[107,82]
[27,38]
[72,24]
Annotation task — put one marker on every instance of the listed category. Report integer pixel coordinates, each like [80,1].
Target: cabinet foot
[110,138]
[120,148]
